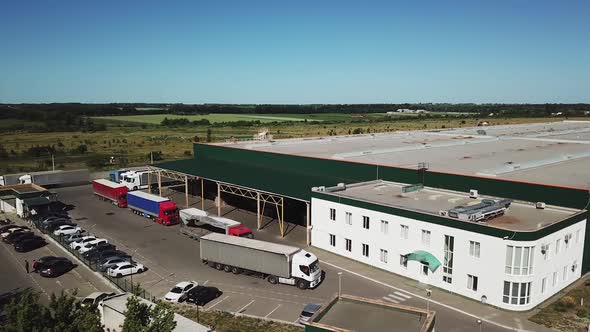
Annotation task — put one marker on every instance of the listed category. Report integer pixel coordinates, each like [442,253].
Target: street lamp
[428,294]
[479,322]
[339,284]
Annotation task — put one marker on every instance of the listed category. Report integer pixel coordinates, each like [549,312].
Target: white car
[78,244]
[67,230]
[14,229]
[178,293]
[125,269]
[91,244]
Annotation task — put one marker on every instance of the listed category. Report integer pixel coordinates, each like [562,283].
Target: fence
[121,283]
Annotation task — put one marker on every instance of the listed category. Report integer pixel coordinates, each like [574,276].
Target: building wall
[489,267]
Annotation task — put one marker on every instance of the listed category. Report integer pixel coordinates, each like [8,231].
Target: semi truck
[277,263]
[136,180]
[108,190]
[196,223]
[48,178]
[160,209]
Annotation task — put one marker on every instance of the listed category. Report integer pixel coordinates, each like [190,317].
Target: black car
[98,249]
[18,236]
[40,263]
[29,244]
[5,221]
[202,295]
[101,255]
[56,268]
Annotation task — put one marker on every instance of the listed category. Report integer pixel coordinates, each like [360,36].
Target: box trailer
[161,210]
[196,223]
[111,191]
[276,263]
[56,178]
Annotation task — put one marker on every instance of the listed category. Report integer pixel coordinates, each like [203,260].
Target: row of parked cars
[106,256]
[21,237]
[192,292]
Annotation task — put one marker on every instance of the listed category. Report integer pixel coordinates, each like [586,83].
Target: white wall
[489,267]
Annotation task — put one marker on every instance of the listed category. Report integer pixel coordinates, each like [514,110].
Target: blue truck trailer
[161,210]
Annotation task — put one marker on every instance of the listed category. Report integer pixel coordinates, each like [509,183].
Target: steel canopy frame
[276,200]
[174,175]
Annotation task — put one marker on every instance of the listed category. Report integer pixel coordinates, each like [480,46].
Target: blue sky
[295,51]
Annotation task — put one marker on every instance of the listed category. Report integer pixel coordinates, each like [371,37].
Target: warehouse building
[544,163]
[24,199]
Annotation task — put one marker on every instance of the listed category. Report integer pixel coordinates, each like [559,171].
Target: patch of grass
[224,321]
[213,118]
[567,314]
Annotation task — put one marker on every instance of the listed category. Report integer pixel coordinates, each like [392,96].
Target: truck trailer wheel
[236,270]
[219,266]
[273,280]
[227,268]
[302,284]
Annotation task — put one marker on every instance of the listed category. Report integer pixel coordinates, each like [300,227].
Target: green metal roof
[36,201]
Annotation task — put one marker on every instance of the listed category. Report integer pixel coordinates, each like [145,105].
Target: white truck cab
[133,180]
[304,265]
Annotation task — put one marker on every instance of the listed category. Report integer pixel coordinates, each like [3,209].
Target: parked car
[178,292]
[202,295]
[52,226]
[85,239]
[4,228]
[111,261]
[308,311]
[17,236]
[53,218]
[29,244]
[94,299]
[13,229]
[67,230]
[101,255]
[92,253]
[125,269]
[86,247]
[74,237]
[56,268]
[40,263]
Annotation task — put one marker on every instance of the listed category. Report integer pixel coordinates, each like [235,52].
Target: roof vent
[473,193]
[341,184]
[540,205]
[322,188]
[443,213]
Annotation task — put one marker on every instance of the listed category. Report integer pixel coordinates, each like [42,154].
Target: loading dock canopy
[424,257]
[36,201]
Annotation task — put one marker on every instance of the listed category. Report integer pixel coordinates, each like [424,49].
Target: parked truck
[160,209]
[196,223]
[276,263]
[48,178]
[108,190]
[137,180]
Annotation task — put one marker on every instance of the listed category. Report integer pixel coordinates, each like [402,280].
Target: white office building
[509,254]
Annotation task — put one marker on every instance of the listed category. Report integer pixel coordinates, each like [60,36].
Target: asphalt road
[172,257]
[80,281]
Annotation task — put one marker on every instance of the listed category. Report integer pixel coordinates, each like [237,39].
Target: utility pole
[52,162]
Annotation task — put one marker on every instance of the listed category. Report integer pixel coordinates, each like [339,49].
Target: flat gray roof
[520,216]
[367,315]
[554,153]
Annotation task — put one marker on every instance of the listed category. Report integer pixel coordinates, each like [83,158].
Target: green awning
[424,257]
[36,201]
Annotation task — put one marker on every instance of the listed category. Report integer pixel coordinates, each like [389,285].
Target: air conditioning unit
[568,237]
[473,193]
[544,249]
[443,213]
[341,184]
[540,205]
[574,267]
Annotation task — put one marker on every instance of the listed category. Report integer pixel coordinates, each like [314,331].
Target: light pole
[428,294]
[339,284]
[479,322]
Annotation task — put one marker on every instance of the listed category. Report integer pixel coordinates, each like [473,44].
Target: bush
[582,312]
[566,303]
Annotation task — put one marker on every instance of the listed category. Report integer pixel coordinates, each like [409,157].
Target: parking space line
[402,294]
[390,300]
[217,302]
[256,290]
[205,283]
[273,310]
[244,307]
[265,297]
[19,264]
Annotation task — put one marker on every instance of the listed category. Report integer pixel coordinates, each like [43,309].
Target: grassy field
[135,143]
[213,118]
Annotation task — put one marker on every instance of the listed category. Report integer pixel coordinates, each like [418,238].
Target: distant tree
[82,149]
[208,134]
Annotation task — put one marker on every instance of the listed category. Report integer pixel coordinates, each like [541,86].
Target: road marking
[273,310]
[402,295]
[244,307]
[399,298]
[206,281]
[425,299]
[264,297]
[216,303]
[390,300]
[258,290]
[19,264]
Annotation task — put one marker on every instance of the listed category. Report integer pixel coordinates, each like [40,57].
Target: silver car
[111,262]
[308,311]
[74,237]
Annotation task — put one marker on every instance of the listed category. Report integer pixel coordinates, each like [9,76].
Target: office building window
[517,293]
[472,282]
[403,261]
[545,251]
[578,236]
[519,260]
[424,269]
[348,218]
[425,237]
[448,259]
[365,250]
[474,249]
[332,240]
[332,214]
[383,256]
[404,230]
[566,241]
[557,245]
[564,276]
[348,244]
[365,222]
[384,226]
[543,285]
[554,279]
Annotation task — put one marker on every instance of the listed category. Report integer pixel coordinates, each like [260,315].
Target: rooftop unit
[481,212]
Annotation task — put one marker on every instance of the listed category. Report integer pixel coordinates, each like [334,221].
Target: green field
[213,118]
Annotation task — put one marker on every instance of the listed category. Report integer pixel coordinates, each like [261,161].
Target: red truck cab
[168,214]
[240,230]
